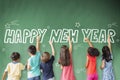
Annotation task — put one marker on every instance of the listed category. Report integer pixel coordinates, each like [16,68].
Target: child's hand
[50,42]
[86,39]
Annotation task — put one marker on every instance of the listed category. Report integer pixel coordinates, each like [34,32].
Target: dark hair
[106,53]
[32,49]
[15,56]
[45,57]
[64,56]
[93,51]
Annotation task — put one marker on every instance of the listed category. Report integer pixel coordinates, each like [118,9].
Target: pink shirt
[67,72]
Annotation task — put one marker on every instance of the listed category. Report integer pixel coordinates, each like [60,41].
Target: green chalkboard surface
[22,20]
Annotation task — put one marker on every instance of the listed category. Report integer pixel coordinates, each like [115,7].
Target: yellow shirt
[14,70]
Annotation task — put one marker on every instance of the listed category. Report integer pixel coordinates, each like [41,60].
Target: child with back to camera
[47,64]
[14,68]
[34,61]
[106,65]
[91,61]
[66,63]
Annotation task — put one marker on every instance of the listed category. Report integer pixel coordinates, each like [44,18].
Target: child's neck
[16,60]
[32,55]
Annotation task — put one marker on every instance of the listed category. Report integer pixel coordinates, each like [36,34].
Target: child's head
[93,51]
[106,53]
[32,49]
[64,56]
[45,57]
[15,56]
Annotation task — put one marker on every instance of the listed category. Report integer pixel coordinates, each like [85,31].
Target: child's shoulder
[9,63]
[20,63]
[14,63]
[38,53]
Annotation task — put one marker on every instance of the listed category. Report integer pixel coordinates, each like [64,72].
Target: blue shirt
[47,69]
[34,62]
[108,70]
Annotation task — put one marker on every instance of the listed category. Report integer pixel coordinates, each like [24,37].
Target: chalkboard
[22,20]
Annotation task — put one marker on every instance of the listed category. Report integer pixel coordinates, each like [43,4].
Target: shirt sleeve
[7,68]
[40,65]
[111,56]
[52,58]
[22,67]
[38,53]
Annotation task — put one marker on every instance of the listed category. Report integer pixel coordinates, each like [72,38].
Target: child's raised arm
[90,44]
[109,44]
[53,51]
[88,41]
[38,43]
[70,45]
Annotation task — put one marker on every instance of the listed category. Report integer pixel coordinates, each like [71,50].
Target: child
[91,62]
[34,61]
[107,62]
[66,62]
[14,68]
[47,64]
